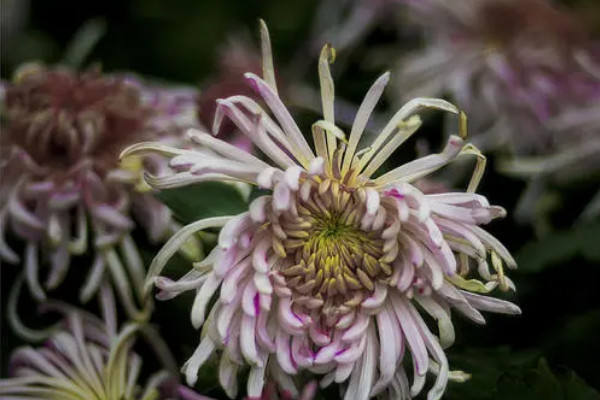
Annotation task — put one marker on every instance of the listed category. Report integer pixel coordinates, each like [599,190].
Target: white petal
[202,353]
[228,377]
[203,296]
[256,381]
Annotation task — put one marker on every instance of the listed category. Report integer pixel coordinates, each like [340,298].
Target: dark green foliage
[559,247]
[207,199]
[501,374]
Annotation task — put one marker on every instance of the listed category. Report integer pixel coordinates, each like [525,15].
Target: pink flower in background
[524,69]
[64,191]
[334,271]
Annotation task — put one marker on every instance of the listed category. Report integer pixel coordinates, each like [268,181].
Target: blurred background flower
[528,72]
[521,68]
[64,190]
[87,358]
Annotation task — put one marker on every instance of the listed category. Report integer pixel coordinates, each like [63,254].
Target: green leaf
[486,366]
[499,374]
[84,41]
[559,247]
[204,200]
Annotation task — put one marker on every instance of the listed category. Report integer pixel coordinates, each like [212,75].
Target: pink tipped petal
[407,272]
[289,320]
[490,304]
[423,166]
[357,329]
[319,337]
[284,352]
[327,353]
[412,335]
[247,341]
[232,230]
[376,300]
[292,177]
[259,256]
[282,115]
[281,197]
[231,281]
[263,283]
[361,380]
[264,338]
[265,178]
[301,352]
[258,209]
[350,354]
[387,353]
[225,318]
[256,381]
[112,216]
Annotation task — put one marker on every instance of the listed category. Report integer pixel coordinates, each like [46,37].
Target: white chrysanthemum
[333,271]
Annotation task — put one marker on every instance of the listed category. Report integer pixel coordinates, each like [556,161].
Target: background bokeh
[551,351]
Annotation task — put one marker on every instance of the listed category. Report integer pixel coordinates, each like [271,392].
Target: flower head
[88,359]
[62,132]
[525,69]
[326,273]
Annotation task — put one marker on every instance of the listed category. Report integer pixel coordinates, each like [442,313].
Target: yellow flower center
[330,261]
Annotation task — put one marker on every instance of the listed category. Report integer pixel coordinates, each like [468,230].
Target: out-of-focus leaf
[560,246]
[542,383]
[486,366]
[257,192]
[592,209]
[83,42]
[575,343]
[204,200]
[500,374]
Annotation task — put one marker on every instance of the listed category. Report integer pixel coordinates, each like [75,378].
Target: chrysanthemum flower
[64,190]
[524,68]
[334,270]
[88,359]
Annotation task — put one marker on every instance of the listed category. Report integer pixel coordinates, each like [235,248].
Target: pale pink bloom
[64,191]
[333,270]
[525,70]
[89,359]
